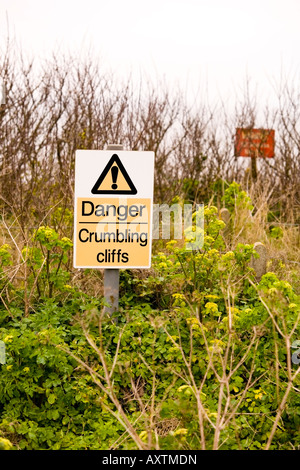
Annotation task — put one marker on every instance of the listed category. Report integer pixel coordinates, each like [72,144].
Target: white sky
[205,44]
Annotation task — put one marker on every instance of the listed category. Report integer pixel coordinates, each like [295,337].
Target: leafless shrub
[62,104]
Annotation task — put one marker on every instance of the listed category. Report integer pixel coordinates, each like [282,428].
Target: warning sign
[254,143]
[114,179]
[113,230]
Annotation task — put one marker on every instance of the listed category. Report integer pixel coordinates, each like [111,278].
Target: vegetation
[199,355]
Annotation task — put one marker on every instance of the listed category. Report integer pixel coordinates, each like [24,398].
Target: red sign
[254,143]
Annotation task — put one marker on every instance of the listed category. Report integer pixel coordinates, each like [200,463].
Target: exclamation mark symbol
[114,175]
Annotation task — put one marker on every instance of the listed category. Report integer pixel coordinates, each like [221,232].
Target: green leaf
[55,414]
[52,398]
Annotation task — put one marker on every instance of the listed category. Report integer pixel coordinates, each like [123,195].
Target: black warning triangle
[108,181]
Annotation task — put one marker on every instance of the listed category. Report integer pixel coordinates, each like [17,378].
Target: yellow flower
[172,337]
[162,265]
[5,444]
[179,300]
[291,306]
[171,244]
[217,346]
[211,296]
[66,239]
[6,246]
[178,296]
[179,432]
[211,307]
[143,435]
[8,339]
[26,369]
[258,394]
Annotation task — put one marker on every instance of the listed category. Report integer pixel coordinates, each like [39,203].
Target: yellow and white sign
[113,209]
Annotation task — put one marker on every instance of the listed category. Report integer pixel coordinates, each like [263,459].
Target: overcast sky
[210,45]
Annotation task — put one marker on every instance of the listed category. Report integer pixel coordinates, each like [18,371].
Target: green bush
[198,356]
